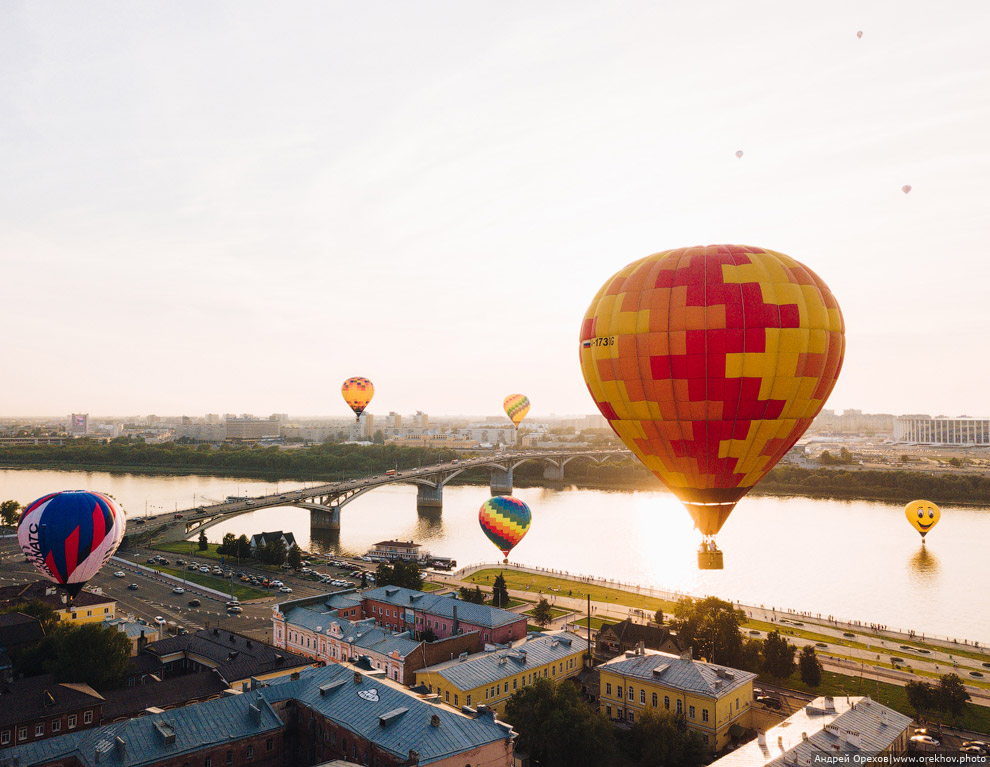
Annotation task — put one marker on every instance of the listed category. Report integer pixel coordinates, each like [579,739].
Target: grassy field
[555,612]
[596,623]
[974,717]
[430,586]
[218,584]
[570,588]
[512,603]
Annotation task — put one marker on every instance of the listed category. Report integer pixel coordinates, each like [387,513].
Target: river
[856,560]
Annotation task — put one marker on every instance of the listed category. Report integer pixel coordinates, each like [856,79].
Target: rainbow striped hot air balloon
[516,406]
[69,536]
[357,393]
[505,521]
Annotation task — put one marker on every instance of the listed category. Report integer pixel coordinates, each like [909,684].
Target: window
[506,687]
[88,717]
[22,733]
[704,715]
[4,738]
[654,700]
[642,695]
[737,704]
[486,693]
[691,712]
[469,700]
[680,707]
[250,752]
[89,613]
[39,729]
[230,757]
[514,683]
[630,688]
[446,696]
[56,725]
[666,702]
[106,609]
[632,716]
[73,616]
[608,688]
[619,691]
[269,744]
[704,737]
[608,711]
[72,721]
[208,762]
[456,702]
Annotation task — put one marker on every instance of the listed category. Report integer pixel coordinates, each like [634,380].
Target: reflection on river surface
[851,559]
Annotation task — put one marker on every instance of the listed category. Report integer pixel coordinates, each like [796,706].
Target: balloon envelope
[516,406]
[859,34]
[906,188]
[739,153]
[357,393]
[504,520]
[69,536]
[709,363]
[923,516]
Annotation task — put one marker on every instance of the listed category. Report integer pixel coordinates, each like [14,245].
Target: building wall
[395,618]
[722,713]
[942,431]
[495,695]
[39,728]
[89,613]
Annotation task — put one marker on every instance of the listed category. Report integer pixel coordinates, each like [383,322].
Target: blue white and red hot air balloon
[69,536]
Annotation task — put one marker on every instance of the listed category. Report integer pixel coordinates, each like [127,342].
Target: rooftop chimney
[761,738]
[255,713]
[121,746]
[434,721]
[357,677]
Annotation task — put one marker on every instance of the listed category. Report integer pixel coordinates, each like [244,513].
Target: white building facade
[925,430]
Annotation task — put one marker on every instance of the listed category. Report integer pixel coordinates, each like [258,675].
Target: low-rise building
[262,539]
[18,631]
[235,657]
[87,607]
[617,638]
[860,729]
[139,634]
[395,550]
[161,695]
[711,698]
[490,678]
[38,707]
[402,609]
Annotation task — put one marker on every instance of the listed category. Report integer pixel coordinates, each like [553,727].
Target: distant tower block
[429,497]
[501,481]
[325,520]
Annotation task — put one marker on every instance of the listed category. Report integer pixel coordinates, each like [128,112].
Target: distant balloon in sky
[906,188]
[710,363]
[516,406]
[859,34]
[739,153]
[69,536]
[357,394]
[504,521]
[923,516]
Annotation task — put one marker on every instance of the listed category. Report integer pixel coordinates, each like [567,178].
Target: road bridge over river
[326,501]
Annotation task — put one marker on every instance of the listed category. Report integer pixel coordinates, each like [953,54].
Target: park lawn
[241,591]
[430,586]
[568,587]
[555,612]
[596,622]
[534,627]
[975,718]
[513,602]
[189,548]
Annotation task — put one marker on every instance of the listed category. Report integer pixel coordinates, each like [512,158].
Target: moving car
[194,603]
[235,609]
[770,701]
[132,586]
[178,590]
[285,590]
[119,574]
[924,740]
[159,620]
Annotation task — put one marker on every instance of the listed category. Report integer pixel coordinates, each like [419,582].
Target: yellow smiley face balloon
[923,516]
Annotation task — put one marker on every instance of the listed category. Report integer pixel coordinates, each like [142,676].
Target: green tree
[778,656]
[9,512]
[557,729]
[86,653]
[379,438]
[243,547]
[663,739]
[751,658]
[810,666]
[274,552]
[955,462]
[399,573]
[658,617]
[543,613]
[475,595]
[294,558]
[203,543]
[500,592]
[228,547]
[845,456]
[921,696]
[45,614]
[364,579]
[827,459]
[711,627]
[428,635]
[951,695]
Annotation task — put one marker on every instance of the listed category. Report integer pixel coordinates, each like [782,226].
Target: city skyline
[235,205]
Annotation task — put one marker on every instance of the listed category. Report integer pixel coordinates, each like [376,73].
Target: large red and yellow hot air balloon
[710,363]
[357,393]
[504,521]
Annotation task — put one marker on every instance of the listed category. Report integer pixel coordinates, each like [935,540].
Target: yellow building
[490,678]
[711,698]
[87,607]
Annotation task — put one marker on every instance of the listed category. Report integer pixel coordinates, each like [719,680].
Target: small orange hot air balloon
[739,154]
[710,363]
[357,393]
[859,34]
[906,188]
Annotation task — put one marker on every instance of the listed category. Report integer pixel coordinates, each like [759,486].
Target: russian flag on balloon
[68,536]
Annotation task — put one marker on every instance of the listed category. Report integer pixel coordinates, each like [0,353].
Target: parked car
[204,569]
[235,609]
[771,701]
[180,561]
[924,740]
[285,590]
[233,602]
[119,574]
[178,590]
[152,561]
[159,620]
[974,750]
[194,603]
[192,566]
[132,586]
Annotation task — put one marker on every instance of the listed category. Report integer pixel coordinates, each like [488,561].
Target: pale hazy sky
[233,206]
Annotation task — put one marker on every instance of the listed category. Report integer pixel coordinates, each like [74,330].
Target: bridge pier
[429,497]
[501,482]
[325,520]
[552,471]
